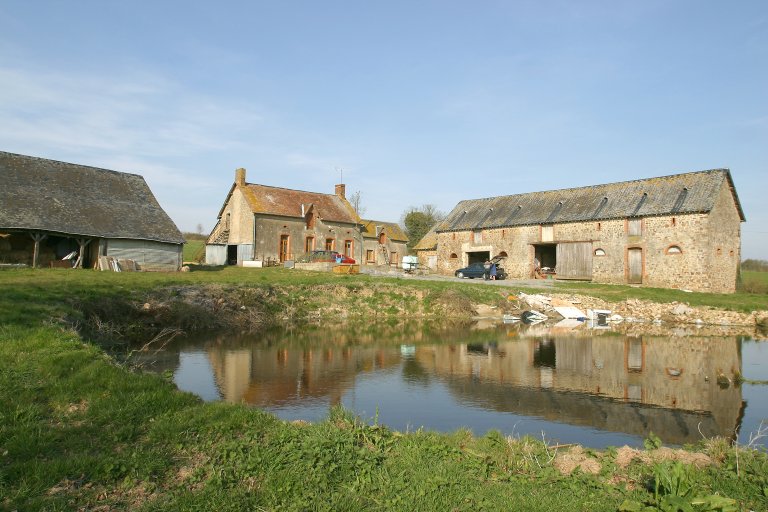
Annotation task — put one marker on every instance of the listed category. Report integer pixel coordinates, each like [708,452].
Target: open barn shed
[51,210]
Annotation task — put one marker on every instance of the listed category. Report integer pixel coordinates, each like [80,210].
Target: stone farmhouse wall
[395,249]
[699,252]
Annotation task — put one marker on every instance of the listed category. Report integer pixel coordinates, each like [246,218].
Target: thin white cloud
[141,115]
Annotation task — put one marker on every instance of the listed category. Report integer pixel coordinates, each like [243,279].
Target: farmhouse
[272,225]
[384,243]
[679,231]
[51,209]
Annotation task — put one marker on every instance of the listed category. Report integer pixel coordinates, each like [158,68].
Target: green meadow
[81,431]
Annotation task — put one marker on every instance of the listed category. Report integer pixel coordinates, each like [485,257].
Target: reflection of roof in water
[671,425]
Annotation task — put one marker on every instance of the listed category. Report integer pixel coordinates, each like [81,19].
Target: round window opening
[599,252]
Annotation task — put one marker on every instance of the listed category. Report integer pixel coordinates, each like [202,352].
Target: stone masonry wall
[724,247]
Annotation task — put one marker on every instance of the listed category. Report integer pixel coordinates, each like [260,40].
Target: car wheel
[460,275]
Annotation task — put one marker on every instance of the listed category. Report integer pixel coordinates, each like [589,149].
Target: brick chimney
[341,190]
[240,177]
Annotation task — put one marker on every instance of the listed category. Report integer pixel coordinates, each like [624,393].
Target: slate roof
[392,230]
[287,203]
[694,192]
[58,197]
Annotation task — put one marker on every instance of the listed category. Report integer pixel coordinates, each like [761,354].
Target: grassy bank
[78,431]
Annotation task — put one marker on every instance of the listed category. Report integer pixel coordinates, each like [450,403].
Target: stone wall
[400,249]
[269,229]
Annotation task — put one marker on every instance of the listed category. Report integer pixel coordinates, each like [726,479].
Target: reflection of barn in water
[276,376]
[633,385]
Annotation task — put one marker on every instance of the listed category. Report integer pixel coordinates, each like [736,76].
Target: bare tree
[356,200]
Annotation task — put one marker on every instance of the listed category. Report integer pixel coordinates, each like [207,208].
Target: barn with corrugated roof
[50,210]
[679,231]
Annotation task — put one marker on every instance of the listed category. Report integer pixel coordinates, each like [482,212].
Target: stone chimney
[240,177]
[341,190]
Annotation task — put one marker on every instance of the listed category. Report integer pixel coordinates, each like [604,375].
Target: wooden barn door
[635,264]
[574,260]
[284,248]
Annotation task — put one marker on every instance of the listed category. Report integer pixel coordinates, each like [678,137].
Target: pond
[594,387]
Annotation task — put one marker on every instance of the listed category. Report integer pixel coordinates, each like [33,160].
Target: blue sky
[416,101]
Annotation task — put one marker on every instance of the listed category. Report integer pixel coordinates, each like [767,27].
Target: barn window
[674,222]
[477,236]
[674,249]
[599,226]
[502,254]
[719,251]
[634,227]
[599,252]
[730,253]
[453,256]
[547,233]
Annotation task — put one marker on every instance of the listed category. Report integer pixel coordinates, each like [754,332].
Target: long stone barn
[50,210]
[681,231]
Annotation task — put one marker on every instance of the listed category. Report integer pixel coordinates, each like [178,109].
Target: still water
[597,388]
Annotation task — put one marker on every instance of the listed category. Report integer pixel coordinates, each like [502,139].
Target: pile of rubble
[584,308]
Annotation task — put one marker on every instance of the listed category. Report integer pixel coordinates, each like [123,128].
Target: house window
[477,236]
[635,227]
[370,256]
[393,259]
[547,233]
[383,238]
[674,249]
[348,248]
[599,252]
[329,244]
[309,244]
[310,218]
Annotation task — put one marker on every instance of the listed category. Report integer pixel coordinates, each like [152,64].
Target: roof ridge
[83,166]
[586,187]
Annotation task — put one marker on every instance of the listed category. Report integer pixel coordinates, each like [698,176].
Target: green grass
[194,251]
[79,431]
[754,282]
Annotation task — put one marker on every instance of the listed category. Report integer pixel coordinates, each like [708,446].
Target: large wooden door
[574,260]
[635,264]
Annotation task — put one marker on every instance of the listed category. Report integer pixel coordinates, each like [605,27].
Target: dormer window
[310,219]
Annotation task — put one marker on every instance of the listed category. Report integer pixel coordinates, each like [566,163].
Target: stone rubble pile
[640,311]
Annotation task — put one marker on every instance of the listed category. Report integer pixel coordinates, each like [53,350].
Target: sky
[408,102]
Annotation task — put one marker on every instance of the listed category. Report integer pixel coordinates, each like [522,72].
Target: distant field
[194,250]
[754,282]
